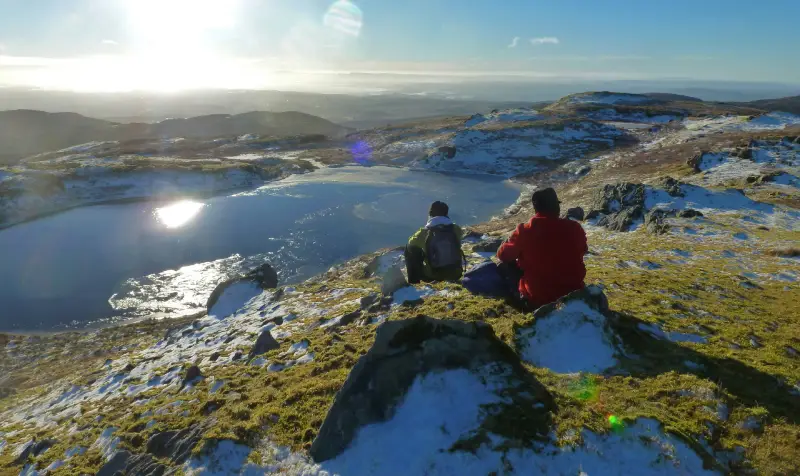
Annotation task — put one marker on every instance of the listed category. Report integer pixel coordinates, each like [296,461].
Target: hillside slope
[787,104]
[681,356]
[24,133]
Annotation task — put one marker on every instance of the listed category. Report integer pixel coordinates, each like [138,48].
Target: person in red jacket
[548,250]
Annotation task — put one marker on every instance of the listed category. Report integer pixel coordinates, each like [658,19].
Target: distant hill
[24,133]
[787,104]
[672,97]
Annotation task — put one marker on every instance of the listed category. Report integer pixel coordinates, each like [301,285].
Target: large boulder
[393,280]
[265,277]
[580,320]
[404,350]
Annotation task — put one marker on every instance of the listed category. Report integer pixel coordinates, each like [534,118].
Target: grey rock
[402,351]
[265,276]
[42,446]
[695,161]
[671,186]
[24,452]
[575,213]
[264,343]
[369,300]
[654,221]
[347,319]
[615,197]
[583,170]
[490,245]
[393,280]
[123,462]
[448,151]
[689,213]
[175,445]
[191,373]
[622,220]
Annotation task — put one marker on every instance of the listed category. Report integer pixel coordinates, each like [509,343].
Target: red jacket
[549,250]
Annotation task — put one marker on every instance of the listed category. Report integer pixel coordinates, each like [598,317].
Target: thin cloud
[694,58]
[110,42]
[514,42]
[545,40]
[623,58]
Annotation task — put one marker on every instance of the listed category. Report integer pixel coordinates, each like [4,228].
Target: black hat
[545,199]
[439,209]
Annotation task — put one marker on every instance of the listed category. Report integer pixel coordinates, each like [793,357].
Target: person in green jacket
[434,252]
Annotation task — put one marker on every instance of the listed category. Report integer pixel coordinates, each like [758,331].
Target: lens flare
[178,214]
[362,152]
[616,423]
[345,17]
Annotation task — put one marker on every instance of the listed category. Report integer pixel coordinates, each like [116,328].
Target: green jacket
[418,241]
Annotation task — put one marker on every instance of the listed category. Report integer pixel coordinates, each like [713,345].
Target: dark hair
[439,209]
[546,201]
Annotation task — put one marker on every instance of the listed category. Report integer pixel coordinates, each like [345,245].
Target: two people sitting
[542,259]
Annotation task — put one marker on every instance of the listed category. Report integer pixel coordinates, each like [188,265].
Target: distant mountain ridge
[27,132]
[787,104]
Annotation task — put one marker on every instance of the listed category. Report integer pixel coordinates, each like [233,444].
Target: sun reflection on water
[178,214]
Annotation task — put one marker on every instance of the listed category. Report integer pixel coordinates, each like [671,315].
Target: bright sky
[175,44]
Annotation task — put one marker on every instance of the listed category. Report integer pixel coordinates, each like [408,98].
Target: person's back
[434,252]
[549,250]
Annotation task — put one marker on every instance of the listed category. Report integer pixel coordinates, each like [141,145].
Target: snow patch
[106,443]
[552,341]
[234,297]
[411,294]
[659,333]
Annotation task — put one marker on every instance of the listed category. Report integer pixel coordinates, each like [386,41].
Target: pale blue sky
[698,39]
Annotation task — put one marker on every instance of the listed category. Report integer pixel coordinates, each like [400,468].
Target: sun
[173,40]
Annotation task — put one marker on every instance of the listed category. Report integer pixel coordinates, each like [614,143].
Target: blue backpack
[486,280]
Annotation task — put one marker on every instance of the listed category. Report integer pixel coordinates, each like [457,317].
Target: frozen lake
[94,263]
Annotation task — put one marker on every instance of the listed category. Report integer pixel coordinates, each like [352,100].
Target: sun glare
[178,214]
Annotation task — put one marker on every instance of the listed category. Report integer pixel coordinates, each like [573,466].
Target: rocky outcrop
[689,213]
[621,204]
[695,161]
[404,350]
[264,276]
[654,222]
[125,462]
[448,151]
[175,446]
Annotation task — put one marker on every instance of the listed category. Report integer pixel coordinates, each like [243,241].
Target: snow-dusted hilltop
[682,355]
